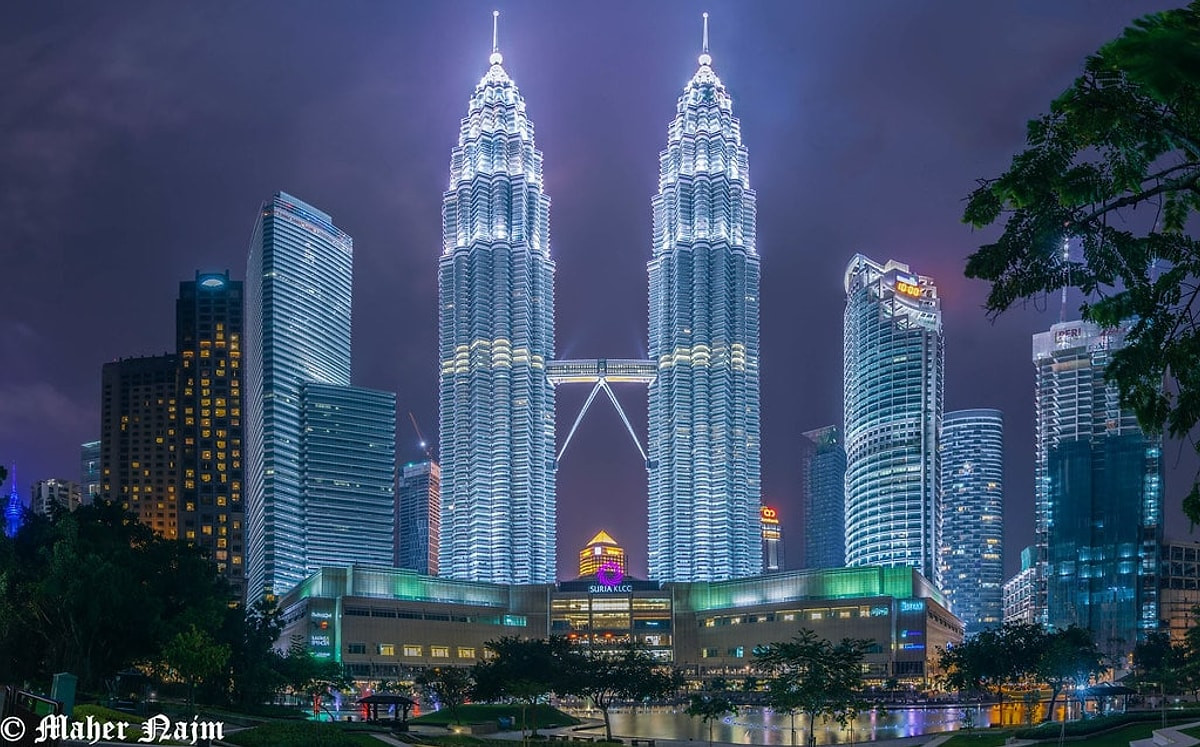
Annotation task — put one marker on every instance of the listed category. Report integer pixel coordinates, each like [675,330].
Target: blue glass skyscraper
[1098,483]
[972,555]
[298,295]
[495,336]
[703,334]
[823,482]
[893,354]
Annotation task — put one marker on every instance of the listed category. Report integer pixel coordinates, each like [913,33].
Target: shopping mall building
[382,623]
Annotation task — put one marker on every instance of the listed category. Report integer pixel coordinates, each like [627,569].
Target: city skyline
[864,156]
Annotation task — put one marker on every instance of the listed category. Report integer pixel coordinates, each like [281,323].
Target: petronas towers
[496,346]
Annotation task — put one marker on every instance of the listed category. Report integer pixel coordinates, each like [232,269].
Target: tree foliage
[630,675]
[1115,167]
[1022,655]
[710,705]
[525,670]
[193,656]
[814,676]
[449,686]
[93,591]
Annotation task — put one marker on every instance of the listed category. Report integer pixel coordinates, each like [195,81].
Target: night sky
[138,139]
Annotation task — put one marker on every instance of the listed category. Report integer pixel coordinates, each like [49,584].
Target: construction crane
[424,446]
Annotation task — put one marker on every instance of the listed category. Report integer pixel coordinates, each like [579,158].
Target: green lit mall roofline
[699,596]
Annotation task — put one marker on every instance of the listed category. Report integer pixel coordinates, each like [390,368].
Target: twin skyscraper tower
[498,370]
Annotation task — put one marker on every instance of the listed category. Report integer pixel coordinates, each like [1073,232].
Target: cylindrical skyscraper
[704,406]
[496,333]
[892,396]
[972,551]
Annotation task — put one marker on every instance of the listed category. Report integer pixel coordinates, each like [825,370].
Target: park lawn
[476,713]
[1192,732]
[983,738]
[1123,736]
[309,733]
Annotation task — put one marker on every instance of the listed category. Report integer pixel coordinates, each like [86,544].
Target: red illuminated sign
[769,515]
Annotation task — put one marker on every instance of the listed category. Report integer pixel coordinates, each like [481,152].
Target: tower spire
[496,57]
[705,57]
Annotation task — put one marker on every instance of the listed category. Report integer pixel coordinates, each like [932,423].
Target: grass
[1192,732]
[983,738]
[1123,736]
[457,740]
[308,733]
[475,713]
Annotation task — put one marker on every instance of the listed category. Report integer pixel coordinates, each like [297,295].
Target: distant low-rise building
[1179,587]
[67,494]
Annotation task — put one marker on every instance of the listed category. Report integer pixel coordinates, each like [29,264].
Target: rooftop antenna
[496,57]
[705,57]
[1066,257]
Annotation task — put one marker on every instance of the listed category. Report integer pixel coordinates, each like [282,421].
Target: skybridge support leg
[578,418]
[620,411]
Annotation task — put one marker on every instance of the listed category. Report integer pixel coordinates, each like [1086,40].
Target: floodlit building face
[893,381]
[972,558]
[496,334]
[208,345]
[603,552]
[298,293]
[704,464]
[1025,593]
[419,517]
[1098,483]
[823,481]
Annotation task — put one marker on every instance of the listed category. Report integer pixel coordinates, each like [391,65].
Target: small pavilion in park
[403,706]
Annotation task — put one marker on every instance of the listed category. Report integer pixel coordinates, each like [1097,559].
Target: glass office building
[298,293]
[892,393]
[348,470]
[419,517]
[704,462]
[972,557]
[495,336]
[89,469]
[1099,482]
[823,481]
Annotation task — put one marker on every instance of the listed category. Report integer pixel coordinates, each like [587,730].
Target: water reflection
[763,726]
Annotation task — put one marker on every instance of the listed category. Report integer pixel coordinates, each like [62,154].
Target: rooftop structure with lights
[381,622]
[704,461]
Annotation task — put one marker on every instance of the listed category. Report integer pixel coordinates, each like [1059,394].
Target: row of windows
[411,650]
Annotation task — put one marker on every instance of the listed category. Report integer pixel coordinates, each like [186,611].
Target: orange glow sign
[769,515]
[908,289]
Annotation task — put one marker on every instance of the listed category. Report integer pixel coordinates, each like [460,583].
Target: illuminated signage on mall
[602,589]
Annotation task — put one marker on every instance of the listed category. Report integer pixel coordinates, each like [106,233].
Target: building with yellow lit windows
[208,334]
[138,423]
[601,551]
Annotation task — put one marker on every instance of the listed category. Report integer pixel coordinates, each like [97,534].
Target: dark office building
[823,475]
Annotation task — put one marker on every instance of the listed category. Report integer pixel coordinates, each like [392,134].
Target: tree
[524,670]
[1068,655]
[193,656]
[255,666]
[1115,166]
[449,686]
[813,676]
[992,660]
[631,675]
[710,706]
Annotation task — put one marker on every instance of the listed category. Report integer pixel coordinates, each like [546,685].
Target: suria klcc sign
[608,580]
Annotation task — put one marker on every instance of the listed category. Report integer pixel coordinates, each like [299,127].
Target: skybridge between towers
[600,372]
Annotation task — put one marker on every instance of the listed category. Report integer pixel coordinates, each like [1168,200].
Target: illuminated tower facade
[602,551]
[298,286]
[892,398]
[495,336]
[14,509]
[704,469]
[772,539]
[1098,487]
[972,554]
